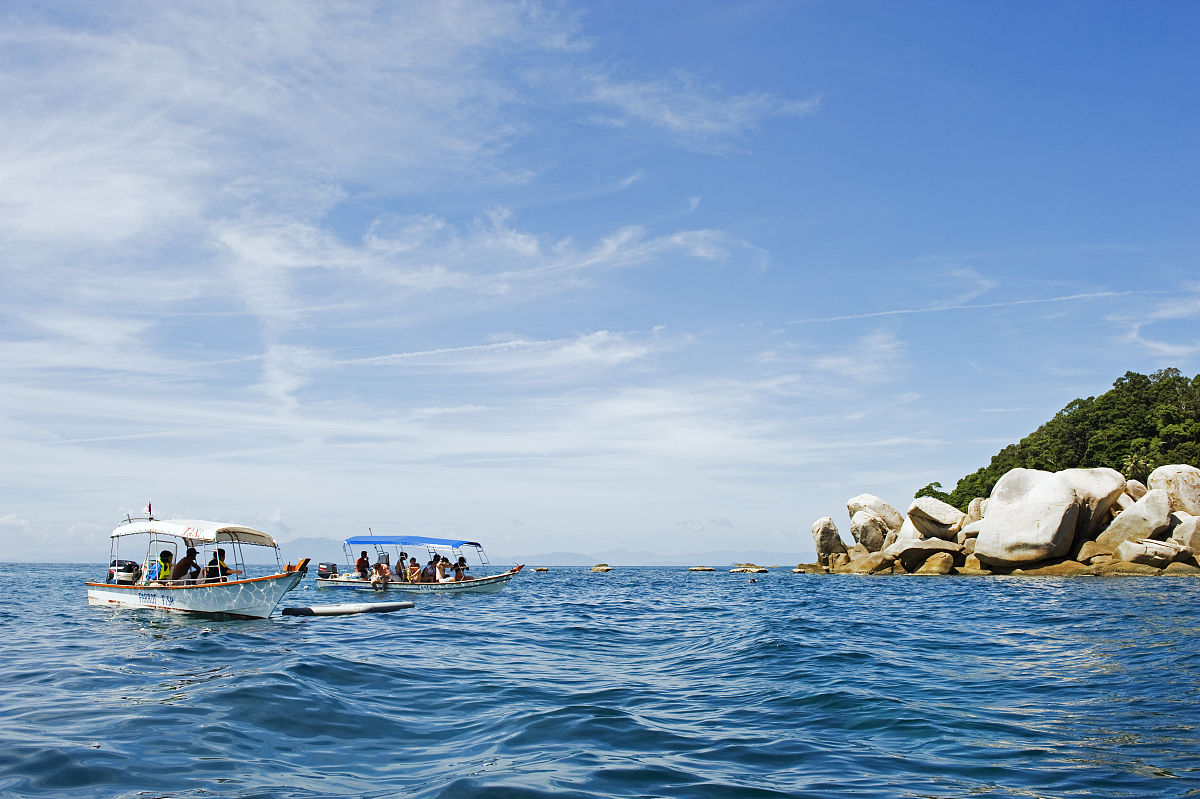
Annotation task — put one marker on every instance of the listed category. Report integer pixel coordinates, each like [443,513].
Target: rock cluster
[1077,521]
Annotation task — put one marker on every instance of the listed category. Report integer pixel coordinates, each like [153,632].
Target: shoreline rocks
[1075,522]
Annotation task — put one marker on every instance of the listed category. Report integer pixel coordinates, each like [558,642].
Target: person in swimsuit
[414,571]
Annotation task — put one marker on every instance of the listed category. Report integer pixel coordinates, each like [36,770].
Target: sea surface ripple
[638,682]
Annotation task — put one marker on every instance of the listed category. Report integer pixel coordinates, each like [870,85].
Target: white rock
[1096,490]
[1031,516]
[1188,534]
[1136,489]
[827,540]
[969,531]
[936,519]
[913,553]
[1151,553]
[869,530]
[1146,518]
[974,511]
[1182,484]
[869,502]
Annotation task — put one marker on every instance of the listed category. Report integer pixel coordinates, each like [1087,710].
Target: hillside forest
[1143,422]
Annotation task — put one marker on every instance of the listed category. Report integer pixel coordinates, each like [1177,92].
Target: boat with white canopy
[483,577]
[219,583]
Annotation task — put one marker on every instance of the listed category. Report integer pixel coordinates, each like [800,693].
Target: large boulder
[974,511]
[913,552]
[1089,550]
[937,563]
[935,518]
[827,540]
[1136,489]
[1031,516]
[871,563]
[868,529]
[1188,534]
[1146,518]
[1151,553]
[968,531]
[869,502]
[1182,484]
[1096,490]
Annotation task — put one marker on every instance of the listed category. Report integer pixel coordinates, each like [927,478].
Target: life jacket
[164,570]
[213,570]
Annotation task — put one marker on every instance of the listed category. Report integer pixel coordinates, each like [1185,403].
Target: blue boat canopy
[408,540]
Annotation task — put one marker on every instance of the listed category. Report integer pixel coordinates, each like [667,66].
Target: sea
[639,682]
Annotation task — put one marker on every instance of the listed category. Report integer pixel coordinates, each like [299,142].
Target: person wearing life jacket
[216,570]
[161,568]
[363,566]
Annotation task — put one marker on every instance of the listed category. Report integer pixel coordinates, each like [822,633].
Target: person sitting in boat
[381,575]
[362,565]
[402,567]
[187,568]
[429,573]
[460,569]
[442,566]
[414,571]
[216,570]
[161,568]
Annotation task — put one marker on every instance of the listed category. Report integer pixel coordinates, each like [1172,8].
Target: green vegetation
[1141,424]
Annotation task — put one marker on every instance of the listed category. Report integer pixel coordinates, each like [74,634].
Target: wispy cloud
[967,306]
[694,113]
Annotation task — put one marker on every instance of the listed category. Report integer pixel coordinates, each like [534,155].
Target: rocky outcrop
[1037,523]
[935,519]
[1031,516]
[1146,518]
[1095,490]
[1182,484]
[869,529]
[873,504]
[827,540]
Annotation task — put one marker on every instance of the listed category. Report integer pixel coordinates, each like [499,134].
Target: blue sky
[664,276]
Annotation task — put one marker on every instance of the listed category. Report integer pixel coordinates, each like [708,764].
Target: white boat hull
[253,598]
[479,585]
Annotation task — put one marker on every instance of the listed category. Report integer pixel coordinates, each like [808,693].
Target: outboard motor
[326,570]
[123,572]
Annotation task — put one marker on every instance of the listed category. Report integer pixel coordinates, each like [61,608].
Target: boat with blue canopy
[383,562]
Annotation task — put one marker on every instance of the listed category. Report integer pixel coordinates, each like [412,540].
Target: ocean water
[639,682]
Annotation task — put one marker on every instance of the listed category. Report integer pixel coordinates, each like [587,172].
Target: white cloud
[691,112]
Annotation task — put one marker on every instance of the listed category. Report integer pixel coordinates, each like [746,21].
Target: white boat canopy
[195,532]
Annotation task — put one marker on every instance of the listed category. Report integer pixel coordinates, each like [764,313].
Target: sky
[665,277]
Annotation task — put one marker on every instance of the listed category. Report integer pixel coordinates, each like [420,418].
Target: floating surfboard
[347,608]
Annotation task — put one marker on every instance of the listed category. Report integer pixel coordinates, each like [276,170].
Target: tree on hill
[1142,423]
